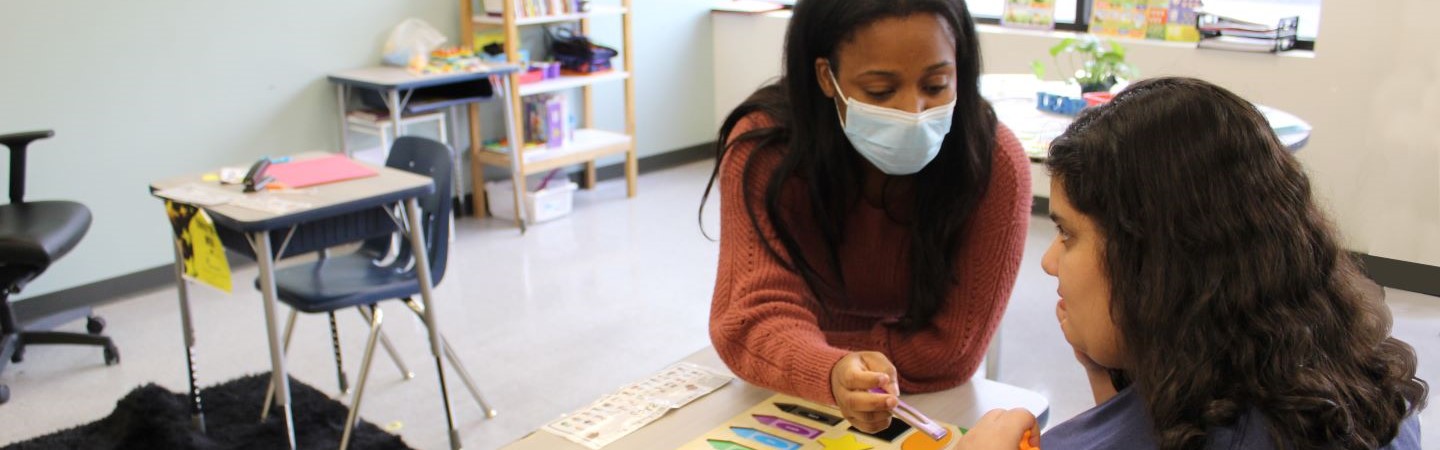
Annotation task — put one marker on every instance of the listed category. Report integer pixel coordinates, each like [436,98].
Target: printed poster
[1038,14]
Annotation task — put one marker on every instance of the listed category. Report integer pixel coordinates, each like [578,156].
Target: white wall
[140,91]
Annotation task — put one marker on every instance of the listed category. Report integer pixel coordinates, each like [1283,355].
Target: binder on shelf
[1247,33]
[1246,44]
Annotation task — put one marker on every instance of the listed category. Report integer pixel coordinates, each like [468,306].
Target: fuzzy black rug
[153,418]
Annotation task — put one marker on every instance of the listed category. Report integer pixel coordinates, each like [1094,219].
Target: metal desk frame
[333,200]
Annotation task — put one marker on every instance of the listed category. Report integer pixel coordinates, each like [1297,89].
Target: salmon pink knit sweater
[769,329]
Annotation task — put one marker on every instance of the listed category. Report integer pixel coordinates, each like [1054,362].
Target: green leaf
[1061,46]
[1116,48]
[1039,69]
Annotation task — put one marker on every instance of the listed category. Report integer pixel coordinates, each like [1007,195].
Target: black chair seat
[38,233]
[341,282]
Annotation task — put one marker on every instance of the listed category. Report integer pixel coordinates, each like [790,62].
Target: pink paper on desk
[310,172]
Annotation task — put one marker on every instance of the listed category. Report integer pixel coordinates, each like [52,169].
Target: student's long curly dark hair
[1228,284]
[815,150]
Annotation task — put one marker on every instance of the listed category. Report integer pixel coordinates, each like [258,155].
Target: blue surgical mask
[895,141]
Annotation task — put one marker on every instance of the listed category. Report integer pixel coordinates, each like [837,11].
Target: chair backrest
[432,159]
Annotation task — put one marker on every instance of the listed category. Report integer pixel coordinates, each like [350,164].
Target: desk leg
[395,107]
[340,93]
[197,412]
[456,168]
[260,241]
[422,268]
[517,155]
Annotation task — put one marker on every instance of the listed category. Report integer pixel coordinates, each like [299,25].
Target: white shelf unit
[588,143]
[571,82]
[595,11]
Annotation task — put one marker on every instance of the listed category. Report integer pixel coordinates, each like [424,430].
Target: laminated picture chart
[783,422]
[621,413]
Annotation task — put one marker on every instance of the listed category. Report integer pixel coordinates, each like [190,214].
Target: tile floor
[546,322]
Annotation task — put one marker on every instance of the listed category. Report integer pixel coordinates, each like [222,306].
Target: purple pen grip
[914,417]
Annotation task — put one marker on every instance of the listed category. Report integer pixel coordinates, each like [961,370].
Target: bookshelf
[589,143]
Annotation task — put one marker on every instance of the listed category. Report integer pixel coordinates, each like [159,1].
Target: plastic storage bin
[553,202]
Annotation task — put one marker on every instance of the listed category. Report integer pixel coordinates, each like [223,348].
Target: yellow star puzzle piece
[846,442]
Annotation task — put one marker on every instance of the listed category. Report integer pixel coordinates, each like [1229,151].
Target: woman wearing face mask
[893,209]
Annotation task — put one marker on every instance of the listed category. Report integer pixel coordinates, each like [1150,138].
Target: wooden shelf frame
[590,143]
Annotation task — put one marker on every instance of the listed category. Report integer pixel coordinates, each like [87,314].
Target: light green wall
[140,91]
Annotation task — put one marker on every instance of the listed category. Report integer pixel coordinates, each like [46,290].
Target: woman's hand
[1002,429]
[851,380]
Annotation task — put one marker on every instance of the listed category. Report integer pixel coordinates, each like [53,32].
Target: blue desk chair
[34,235]
[374,273]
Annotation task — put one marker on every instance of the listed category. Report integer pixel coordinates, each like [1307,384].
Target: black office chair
[374,273]
[32,236]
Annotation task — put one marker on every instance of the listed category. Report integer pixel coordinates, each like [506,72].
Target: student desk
[397,87]
[962,406]
[349,205]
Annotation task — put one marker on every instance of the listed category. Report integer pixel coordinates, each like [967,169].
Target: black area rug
[153,418]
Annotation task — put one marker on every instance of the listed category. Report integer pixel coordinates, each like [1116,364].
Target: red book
[310,172]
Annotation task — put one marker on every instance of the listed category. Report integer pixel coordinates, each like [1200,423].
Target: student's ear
[822,76]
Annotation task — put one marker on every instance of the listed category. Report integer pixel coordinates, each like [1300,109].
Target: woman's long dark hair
[1228,284]
[815,151]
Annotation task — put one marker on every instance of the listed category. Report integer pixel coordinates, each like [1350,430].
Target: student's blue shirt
[1122,422]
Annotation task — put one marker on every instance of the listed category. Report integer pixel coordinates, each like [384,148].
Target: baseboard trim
[1402,275]
[662,161]
[35,309]
[1391,273]
[1040,206]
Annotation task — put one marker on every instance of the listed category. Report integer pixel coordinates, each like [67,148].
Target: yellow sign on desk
[201,253]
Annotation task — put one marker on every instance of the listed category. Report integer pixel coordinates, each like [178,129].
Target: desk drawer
[317,235]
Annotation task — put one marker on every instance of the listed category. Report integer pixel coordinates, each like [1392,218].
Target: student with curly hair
[1206,294]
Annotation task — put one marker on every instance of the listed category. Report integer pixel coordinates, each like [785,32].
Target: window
[989,11]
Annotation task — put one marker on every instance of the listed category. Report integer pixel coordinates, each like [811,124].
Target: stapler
[256,179]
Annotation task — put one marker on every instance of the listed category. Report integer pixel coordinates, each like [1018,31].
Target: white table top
[1013,97]
[390,77]
[962,406]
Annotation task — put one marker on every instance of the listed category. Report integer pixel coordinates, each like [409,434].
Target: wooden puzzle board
[804,425]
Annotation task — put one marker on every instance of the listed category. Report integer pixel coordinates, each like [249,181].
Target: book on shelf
[535,8]
[547,120]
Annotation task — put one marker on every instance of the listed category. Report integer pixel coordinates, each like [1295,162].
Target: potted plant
[1096,66]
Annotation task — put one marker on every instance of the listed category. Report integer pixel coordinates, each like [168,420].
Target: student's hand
[1001,429]
[851,380]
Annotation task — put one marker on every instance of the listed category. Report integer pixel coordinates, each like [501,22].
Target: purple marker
[915,418]
[807,432]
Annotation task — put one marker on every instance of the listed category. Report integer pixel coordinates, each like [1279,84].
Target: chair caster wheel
[19,355]
[4,394]
[112,355]
[95,325]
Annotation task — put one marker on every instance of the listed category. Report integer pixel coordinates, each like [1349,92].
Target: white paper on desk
[265,202]
[677,385]
[636,405]
[198,195]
